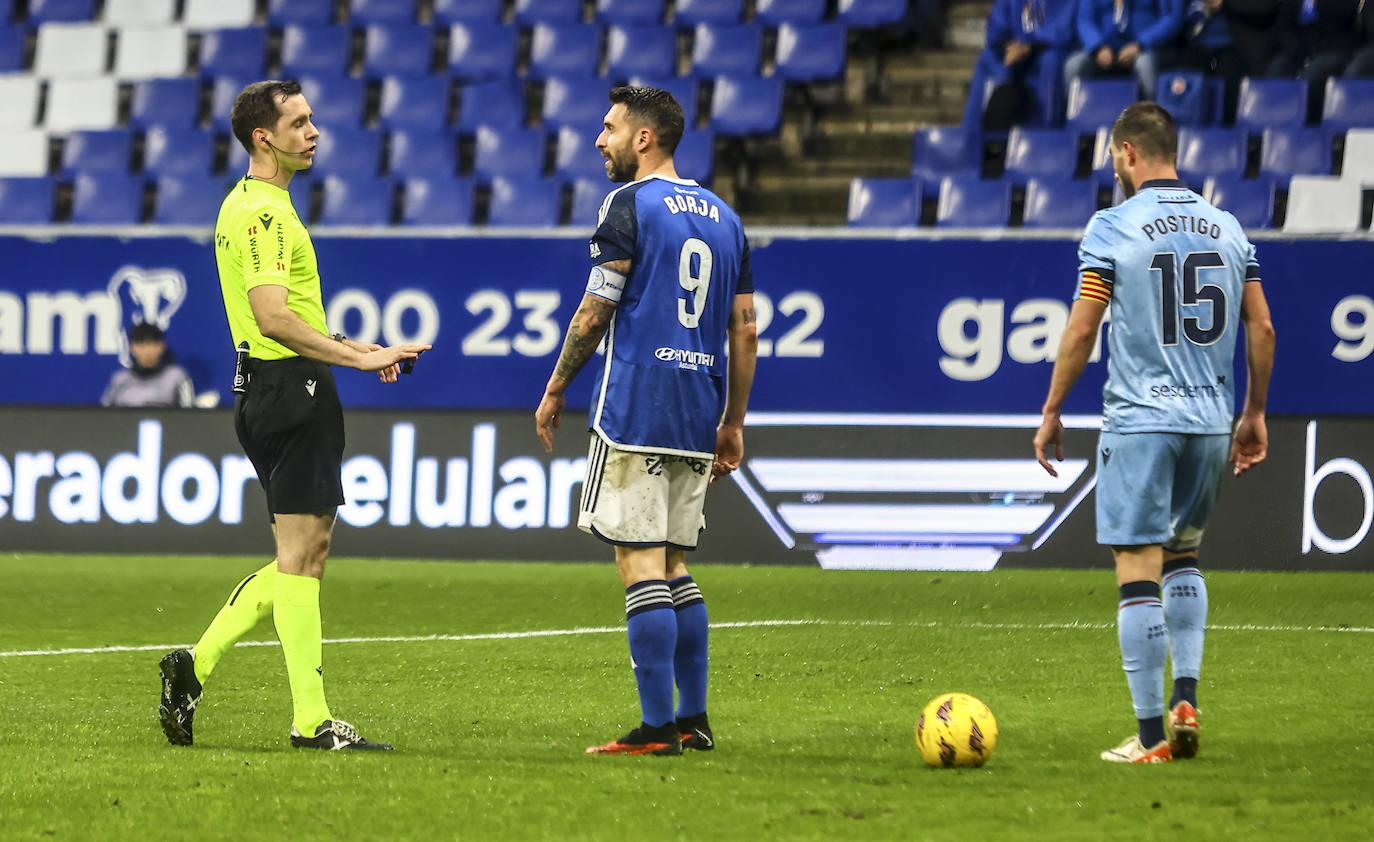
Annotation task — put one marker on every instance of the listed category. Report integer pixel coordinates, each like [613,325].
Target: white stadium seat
[152,53]
[82,104]
[1322,204]
[71,50]
[18,101]
[26,152]
[218,14]
[1359,156]
[138,12]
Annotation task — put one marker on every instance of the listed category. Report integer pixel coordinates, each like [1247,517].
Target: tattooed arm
[743,336]
[585,331]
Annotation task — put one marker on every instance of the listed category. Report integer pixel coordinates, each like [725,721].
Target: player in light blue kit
[1180,278]
[670,284]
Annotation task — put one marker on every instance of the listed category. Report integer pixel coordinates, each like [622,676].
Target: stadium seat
[576,156]
[414,103]
[154,53]
[107,199]
[218,14]
[1322,205]
[240,52]
[371,12]
[107,150]
[26,152]
[356,200]
[588,194]
[236,157]
[1271,102]
[423,152]
[810,53]
[189,199]
[1211,152]
[499,103]
[82,104]
[642,50]
[26,201]
[884,202]
[1187,97]
[337,101]
[1294,151]
[65,11]
[564,50]
[314,51]
[71,51]
[528,202]
[746,106]
[178,152]
[398,49]
[629,12]
[683,89]
[513,152]
[300,12]
[1251,201]
[870,13]
[1348,104]
[943,150]
[1358,163]
[733,50]
[443,201]
[690,13]
[1044,153]
[799,12]
[531,12]
[1059,203]
[575,101]
[223,91]
[173,103]
[303,193]
[18,101]
[695,157]
[479,51]
[449,12]
[1094,103]
[136,13]
[973,203]
[11,49]
[351,151]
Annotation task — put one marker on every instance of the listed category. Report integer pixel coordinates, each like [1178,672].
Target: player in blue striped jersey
[1180,278]
[670,287]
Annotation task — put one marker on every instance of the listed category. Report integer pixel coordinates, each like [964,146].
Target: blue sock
[652,626]
[1141,632]
[1185,610]
[690,659]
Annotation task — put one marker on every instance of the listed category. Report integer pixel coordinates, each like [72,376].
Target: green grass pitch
[814,719]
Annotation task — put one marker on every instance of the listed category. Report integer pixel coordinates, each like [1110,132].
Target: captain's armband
[604,282]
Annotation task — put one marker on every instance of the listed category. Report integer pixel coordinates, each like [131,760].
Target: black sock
[1185,690]
[1151,731]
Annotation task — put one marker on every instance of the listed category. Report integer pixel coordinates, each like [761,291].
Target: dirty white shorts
[637,499]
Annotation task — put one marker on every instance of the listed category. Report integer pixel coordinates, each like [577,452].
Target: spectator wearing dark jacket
[1125,37]
[1026,43]
[1317,40]
[1207,46]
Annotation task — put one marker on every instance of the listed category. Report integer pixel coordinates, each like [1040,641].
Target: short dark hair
[256,107]
[145,332]
[1150,129]
[657,108]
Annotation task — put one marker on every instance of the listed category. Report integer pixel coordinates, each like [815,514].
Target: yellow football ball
[956,729]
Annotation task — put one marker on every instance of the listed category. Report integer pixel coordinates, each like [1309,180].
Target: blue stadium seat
[1271,102]
[1094,103]
[778,12]
[236,159]
[1211,152]
[398,49]
[410,102]
[442,200]
[531,12]
[683,89]
[746,106]
[26,201]
[448,12]
[356,200]
[479,51]
[337,101]
[514,152]
[1059,203]
[369,12]
[689,13]
[237,52]
[1187,97]
[314,51]
[870,13]
[575,154]
[350,151]
[303,192]
[730,50]
[640,50]
[1046,153]
[528,202]
[174,103]
[107,198]
[500,103]
[1250,201]
[107,150]
[1348,104]
[1293,151]
[1103,172]
[11,48]
[973,203]
[310,12]
[884,202]
[629,11]
[60,11]
[564,50]
[423,152]
[188,199]
[695,157]
[587,196]
[223,91]
[810,53]
[942,150]
[178,152]
[575,101]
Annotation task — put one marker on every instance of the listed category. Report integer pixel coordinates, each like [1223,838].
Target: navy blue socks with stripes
[690,659]
[652,625]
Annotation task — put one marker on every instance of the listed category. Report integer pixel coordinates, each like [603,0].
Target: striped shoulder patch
[1096,284]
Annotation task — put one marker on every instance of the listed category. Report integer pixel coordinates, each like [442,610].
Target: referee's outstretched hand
[387,361]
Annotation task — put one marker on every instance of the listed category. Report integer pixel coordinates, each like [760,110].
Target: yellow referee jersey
[260,240]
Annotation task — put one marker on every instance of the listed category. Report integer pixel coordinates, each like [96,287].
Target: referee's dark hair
[256,108]
[1150,129]
[655,107]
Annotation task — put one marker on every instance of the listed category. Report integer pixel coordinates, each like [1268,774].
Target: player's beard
[623,166]
[1127,187]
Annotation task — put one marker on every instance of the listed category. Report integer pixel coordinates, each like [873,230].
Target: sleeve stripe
[1252,272]
[1093,285]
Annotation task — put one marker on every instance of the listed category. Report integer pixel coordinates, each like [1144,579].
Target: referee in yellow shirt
[287,415]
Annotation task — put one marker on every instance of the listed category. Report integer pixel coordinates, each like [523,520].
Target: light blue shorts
[1158,488]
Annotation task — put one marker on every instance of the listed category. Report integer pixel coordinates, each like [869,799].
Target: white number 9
[697,283]
[1357,336]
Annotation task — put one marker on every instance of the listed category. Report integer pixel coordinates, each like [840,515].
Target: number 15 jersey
[663,384]
[1173,268]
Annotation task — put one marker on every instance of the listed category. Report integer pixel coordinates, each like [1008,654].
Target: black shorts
[290,424]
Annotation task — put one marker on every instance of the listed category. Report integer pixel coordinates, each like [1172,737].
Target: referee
[287,415]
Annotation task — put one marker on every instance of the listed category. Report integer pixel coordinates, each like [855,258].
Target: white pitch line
[749,624]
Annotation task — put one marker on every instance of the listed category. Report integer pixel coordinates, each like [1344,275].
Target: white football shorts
[637,499]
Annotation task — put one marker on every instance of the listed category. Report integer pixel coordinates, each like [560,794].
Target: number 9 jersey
[1173,268]
[664,377]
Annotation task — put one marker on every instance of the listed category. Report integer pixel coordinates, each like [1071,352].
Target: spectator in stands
[1208,46]
[1026,41]
[152,379]
[1362,64]
[1317,40]
[1121,37]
